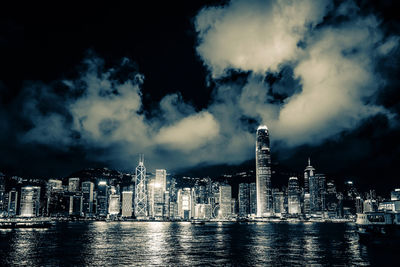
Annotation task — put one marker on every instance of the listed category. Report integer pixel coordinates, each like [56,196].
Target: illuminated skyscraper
[308,172]
[88,197]
[141,190]
[294,196]
[263,172]
[159,187]
[244,199]
[12,202]
[102,199]
[30,201]
[225,198]
[127,203]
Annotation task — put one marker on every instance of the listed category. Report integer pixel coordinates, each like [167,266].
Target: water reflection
[182,244]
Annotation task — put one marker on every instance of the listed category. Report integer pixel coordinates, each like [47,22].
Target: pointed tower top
[141,159]
[309,161]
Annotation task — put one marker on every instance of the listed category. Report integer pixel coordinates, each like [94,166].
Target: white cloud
[254,35]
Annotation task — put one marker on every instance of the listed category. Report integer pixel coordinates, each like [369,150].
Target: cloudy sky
[188,83]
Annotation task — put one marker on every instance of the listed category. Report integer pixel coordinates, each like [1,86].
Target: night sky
[188,82]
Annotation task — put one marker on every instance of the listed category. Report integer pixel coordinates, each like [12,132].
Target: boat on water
[378,225]
[12,223]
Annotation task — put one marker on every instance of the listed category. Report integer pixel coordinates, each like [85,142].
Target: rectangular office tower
[73,185]
[12,203]
[263,173]
[225,201]
[244,199]
[88,198]
[30,201]
[102,199]
[294,196]
[159,187]
[127,208]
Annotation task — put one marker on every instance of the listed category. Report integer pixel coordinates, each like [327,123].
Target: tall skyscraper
[127,203]
[308,172]
[30,201]
[185,203]
[244,199]
[159,187]
[263,173]
[102,199]
[88,197]
[225,199]
[12,202]
[141,210]
[253,199]
[114,202]
[294,196]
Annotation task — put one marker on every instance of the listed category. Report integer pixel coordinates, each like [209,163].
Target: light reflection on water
[183,244]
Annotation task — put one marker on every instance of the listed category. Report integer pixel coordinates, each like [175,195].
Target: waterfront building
[184,203]
[141,209]
[244,199]
[308,172]
[225,198]
[306,204]
[114,202]
[263,173]
[253,199]
[203,211]
[159,188]
[293,196]
[73,185]
[102,199]
[88,197]
[127,203]
[30,201]
[166,211]
[12,203]
[75,205]
[279,202]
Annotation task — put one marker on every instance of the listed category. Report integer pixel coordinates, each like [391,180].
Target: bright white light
[102,183]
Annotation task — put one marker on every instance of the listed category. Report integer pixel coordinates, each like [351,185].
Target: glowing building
[263,173]
[141,210]
[30,201]
[294,196]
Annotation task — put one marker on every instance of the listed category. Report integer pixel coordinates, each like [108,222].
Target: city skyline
[189,87]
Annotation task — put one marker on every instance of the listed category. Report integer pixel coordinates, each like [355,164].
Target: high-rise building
[185,203]
[308,172]
[12,202]
[30,201]
[244,199]
[225,198]
[263,173]
[102,199]
[73,184]
[253,199]
[88,198]
[114,202]
[279,202]
[75,205]
[141,210]
[127,197]
[159,187]
[294,196]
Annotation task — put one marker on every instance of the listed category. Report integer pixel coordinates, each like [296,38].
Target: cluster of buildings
[154,197]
